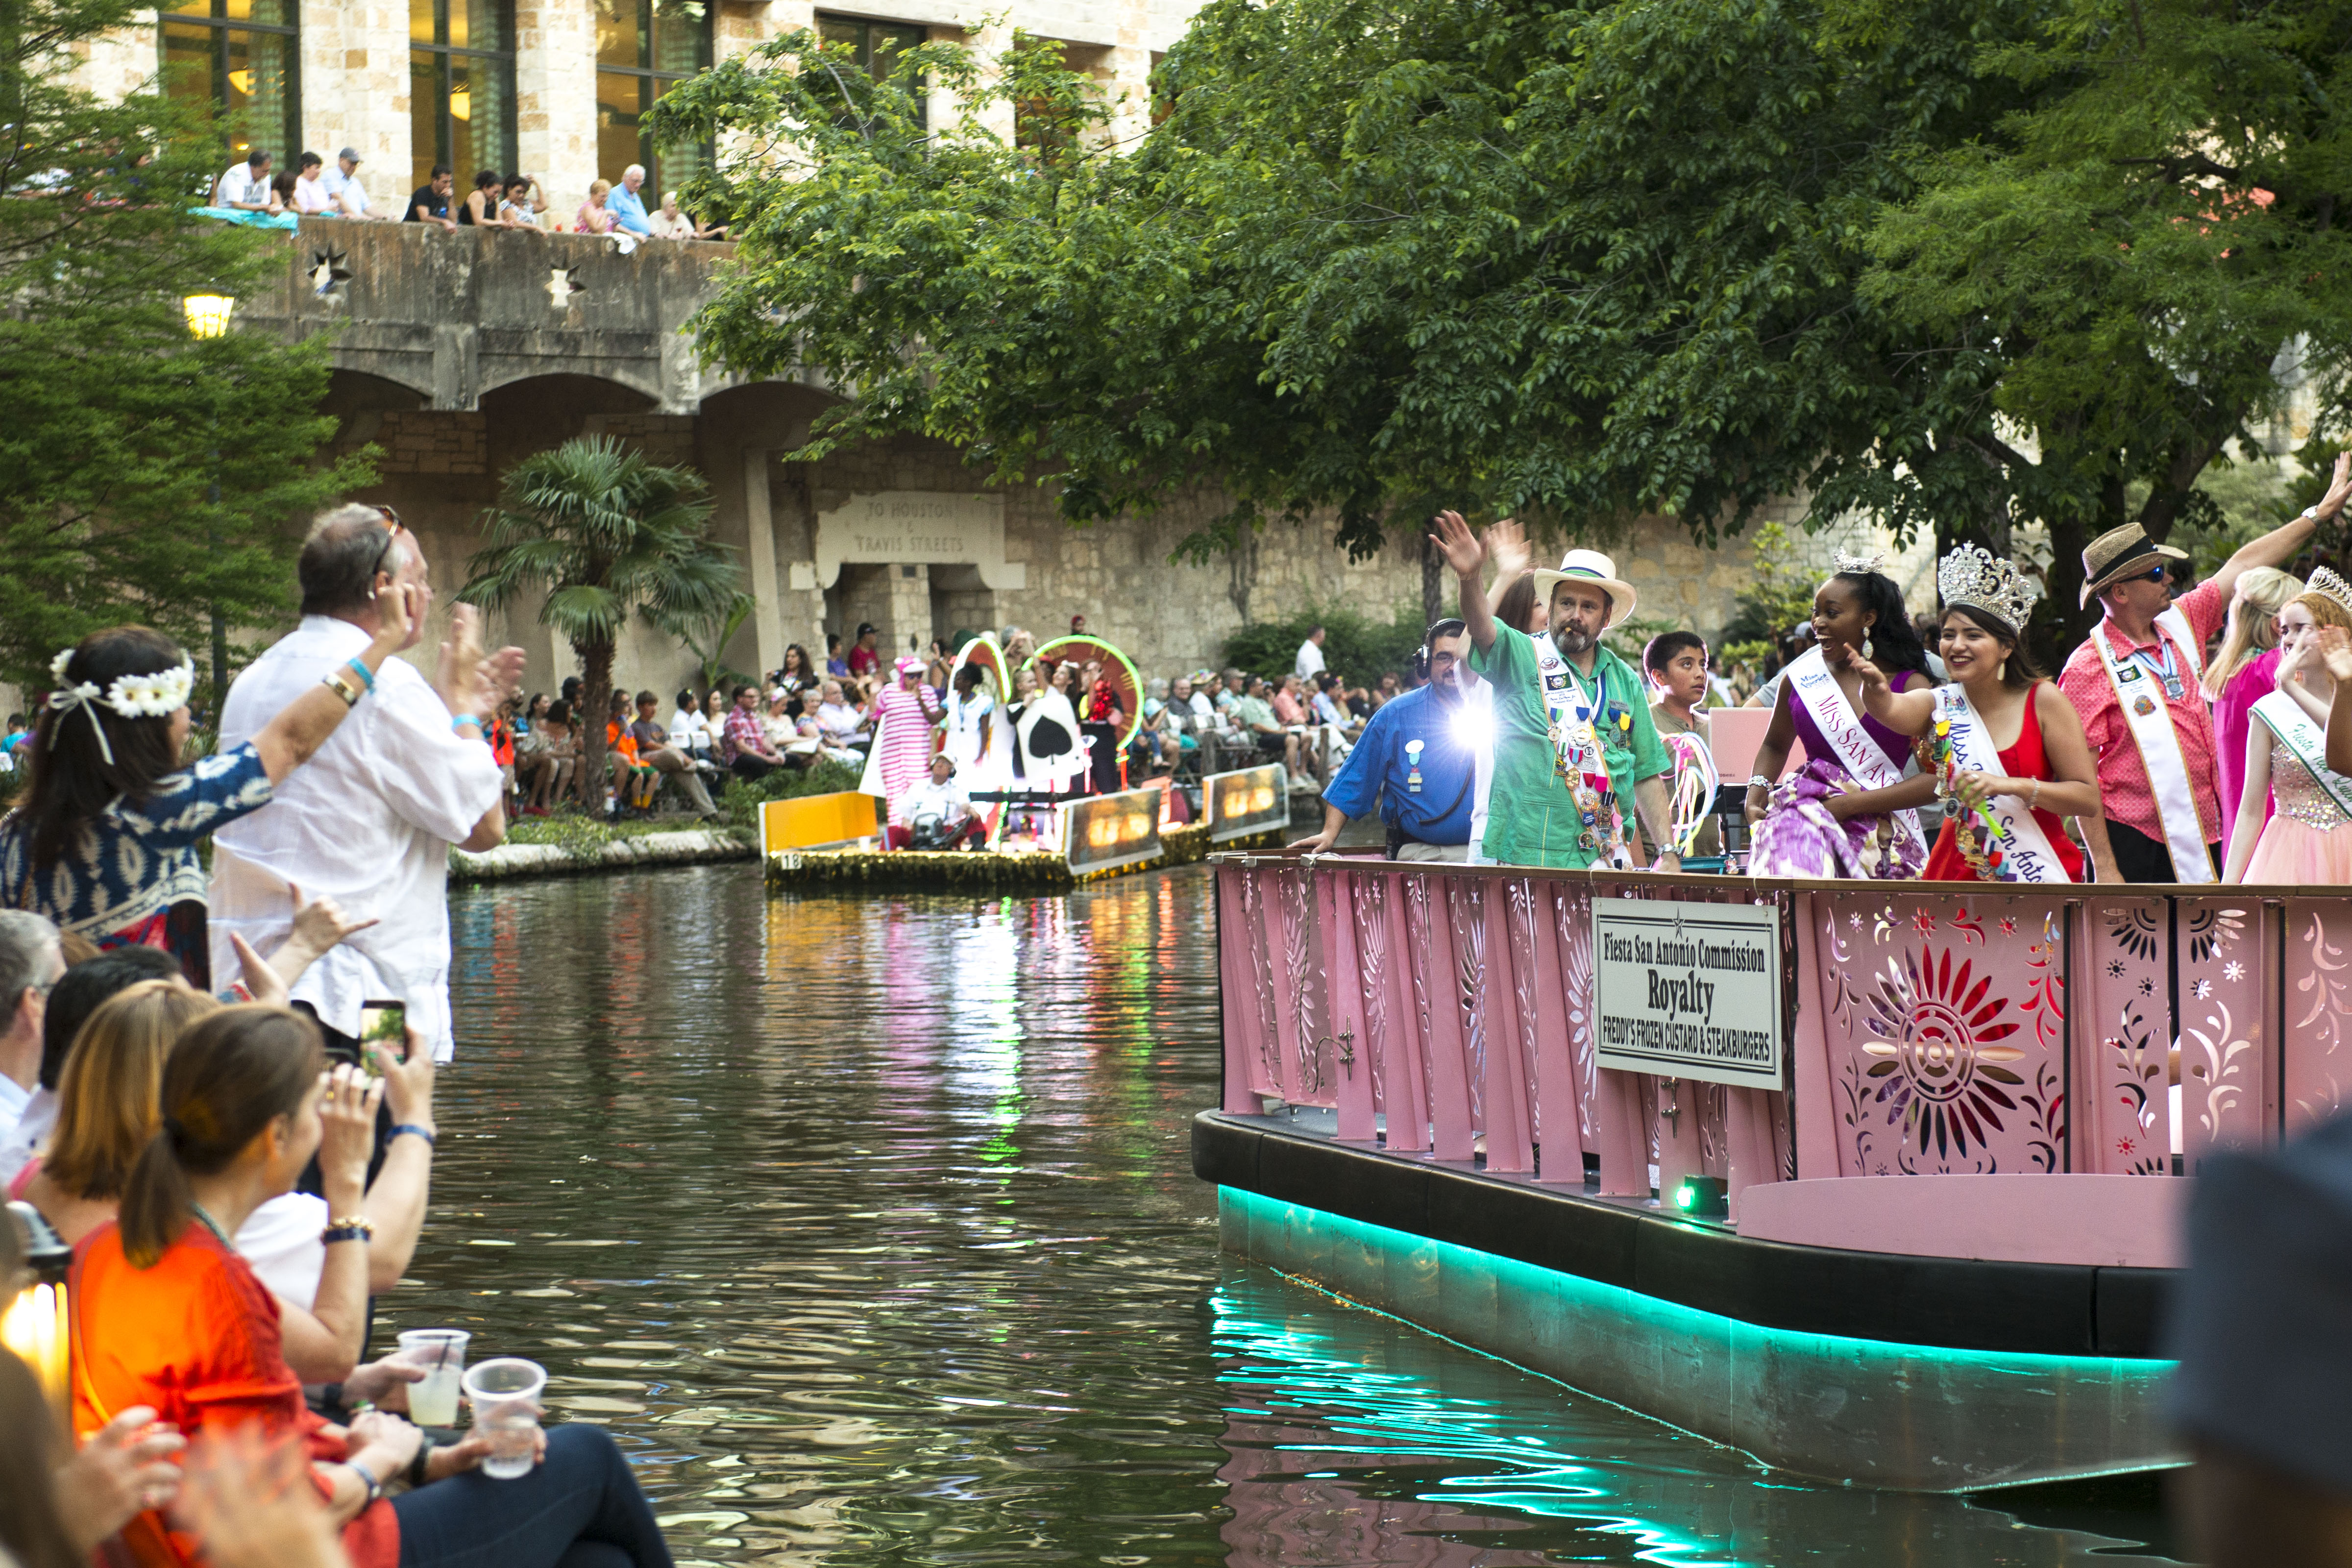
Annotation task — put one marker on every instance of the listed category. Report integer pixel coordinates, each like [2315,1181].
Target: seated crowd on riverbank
[216,1085]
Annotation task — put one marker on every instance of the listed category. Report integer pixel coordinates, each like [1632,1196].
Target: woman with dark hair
[481,206]
[2001,746]
[167,1315]
[1850,810]
[796,672]
[104,843]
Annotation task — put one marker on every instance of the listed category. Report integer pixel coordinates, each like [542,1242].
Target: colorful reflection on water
[868,1225]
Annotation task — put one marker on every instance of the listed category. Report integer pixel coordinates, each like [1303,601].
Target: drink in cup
[505,1396]
[442,1353]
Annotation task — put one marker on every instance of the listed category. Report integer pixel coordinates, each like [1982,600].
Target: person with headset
[1418,757]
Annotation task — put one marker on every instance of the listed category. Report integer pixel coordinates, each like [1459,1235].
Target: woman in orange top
[167,1315]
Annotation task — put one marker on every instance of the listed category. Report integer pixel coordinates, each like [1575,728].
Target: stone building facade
[459,354]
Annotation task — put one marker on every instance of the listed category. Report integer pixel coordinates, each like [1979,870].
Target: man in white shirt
[369,822]
[244,186]
[1310,663]
[1205,710]
[29,964]
[342,185]
[938,812]
[839,721]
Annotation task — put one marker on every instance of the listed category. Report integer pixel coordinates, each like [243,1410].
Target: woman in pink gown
[2242,674]
[904,717]
[2308,842]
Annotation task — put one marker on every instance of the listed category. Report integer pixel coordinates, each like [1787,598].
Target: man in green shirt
[1577,757]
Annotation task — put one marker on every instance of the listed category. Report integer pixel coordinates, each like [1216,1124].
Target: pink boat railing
[1934,1028]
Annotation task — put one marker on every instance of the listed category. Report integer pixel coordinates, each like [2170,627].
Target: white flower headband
[151,695]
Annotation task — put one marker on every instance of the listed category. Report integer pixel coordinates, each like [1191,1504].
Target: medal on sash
[1412,763]
[1576,758]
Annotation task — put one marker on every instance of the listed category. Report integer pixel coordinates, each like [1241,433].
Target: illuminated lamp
[207,315]
[461,104]
[1704,1198]
[33,1325]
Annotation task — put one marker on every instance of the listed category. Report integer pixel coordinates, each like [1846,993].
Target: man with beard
[1419,755]
[1576,758]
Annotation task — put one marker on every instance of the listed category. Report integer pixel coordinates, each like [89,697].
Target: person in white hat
[1577,762]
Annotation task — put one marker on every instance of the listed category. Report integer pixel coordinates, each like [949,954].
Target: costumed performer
[1851,811]
[2002,803]
[979,734]
[1419,754]
[904,716]
[2285,758]
[1578,764]
[2134,684]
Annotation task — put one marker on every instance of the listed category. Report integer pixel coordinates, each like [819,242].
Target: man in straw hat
[1576,758]
[2135,682]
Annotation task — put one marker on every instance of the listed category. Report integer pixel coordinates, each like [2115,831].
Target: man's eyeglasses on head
[390,533]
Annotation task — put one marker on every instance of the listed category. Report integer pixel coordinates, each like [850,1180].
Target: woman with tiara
[1848,811]
[2286,759]
[2002,747]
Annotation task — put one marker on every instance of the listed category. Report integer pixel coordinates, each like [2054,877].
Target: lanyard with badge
[2167,668]
[1577,756]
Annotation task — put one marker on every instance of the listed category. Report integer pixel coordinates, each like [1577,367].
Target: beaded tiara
[2326,583]
[1974,576]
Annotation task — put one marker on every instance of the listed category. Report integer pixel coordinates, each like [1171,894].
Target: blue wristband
[367,675]
[462,719]
[410,1127]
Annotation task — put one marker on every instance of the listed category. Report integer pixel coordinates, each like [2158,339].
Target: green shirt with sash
[1532,819]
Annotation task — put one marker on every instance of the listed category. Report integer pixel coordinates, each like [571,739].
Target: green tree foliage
[118,423]
[2145,242]
[1581,261]
[606,536]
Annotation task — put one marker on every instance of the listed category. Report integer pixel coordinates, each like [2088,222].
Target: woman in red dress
[2003,740]
[166,1315]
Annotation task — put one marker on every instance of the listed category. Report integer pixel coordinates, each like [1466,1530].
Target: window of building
[877,46]
[240,58]
[461,101]
[642,48]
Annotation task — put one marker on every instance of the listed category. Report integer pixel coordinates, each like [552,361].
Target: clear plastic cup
[505,1396]
[442,1353]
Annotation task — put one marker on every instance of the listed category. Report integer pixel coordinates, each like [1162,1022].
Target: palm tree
[608,535]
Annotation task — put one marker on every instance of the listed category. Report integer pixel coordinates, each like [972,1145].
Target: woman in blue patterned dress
[104,841]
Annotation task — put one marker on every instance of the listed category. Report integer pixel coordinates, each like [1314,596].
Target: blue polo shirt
[1383,762]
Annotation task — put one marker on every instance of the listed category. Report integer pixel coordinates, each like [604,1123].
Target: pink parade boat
[1877,1182]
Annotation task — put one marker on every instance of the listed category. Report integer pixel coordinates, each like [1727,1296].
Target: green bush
[744,797]
[1358,648]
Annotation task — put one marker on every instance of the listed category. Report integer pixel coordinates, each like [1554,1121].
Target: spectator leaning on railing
[311,193]
[244,186]
[343,187]
[628,209]
[430,203]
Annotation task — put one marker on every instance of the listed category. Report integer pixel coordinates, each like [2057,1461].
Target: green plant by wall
[745,796]
[1358,648]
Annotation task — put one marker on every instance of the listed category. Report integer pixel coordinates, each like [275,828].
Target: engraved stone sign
[936,528]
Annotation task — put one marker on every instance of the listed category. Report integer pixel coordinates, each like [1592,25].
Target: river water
[869,1226]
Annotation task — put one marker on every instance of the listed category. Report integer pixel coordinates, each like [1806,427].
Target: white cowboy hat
[1590,566]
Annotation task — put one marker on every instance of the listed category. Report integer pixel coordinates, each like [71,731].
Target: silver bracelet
[1759,781]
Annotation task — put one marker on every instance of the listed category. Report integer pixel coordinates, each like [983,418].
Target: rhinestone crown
[2325,582]
[1974,576]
